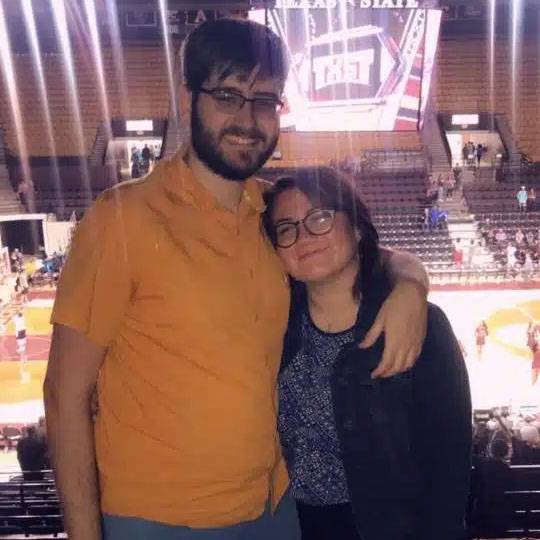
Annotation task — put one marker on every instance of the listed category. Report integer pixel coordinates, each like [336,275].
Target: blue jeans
[282,525]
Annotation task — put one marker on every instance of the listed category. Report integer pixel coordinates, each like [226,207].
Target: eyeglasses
[317,222]
[231,102]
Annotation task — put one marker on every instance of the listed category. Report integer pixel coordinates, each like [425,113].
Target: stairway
[432,139]
[457,207]
[463,226]
[505,131]
[175,136]
[97,155]
[9,201]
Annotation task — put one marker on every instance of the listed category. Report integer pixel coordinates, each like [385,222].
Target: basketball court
[501,377]
[21,395]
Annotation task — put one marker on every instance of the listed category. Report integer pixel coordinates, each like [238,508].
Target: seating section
[493,197]
[396,203]
[461,83]
[512,512]
[29,508]
[69,191]
[393,194]
[391,162]
[325,147]
[404,232]
[509,223]
[397,206]
[50,202]
[146,82]
[32,509]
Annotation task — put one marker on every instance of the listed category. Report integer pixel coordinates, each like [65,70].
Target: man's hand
[403,319]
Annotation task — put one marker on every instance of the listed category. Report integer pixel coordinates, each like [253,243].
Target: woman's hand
[403,319]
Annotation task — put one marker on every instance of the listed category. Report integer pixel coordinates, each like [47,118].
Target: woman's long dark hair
[326,188]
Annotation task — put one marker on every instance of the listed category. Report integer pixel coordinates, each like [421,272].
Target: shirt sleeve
[95,284]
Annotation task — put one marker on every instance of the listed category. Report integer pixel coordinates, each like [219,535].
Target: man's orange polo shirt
[192,303]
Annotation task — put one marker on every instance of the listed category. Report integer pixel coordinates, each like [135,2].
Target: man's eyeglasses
[317,222]
[230,102]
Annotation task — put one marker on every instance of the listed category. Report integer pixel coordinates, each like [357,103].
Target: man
[479,154]
[32,455]
[522,197]
[147,157]
[457,170]
[175,298]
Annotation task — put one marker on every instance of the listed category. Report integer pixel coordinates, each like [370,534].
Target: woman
[369,459]
[481,333]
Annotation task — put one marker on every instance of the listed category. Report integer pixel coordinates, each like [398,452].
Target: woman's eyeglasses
[317,222]
[231,102]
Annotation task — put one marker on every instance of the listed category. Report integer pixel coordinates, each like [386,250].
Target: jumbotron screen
[355,69]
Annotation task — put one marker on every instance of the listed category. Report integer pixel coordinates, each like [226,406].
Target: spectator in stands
[529,433]
[171,269]
[136,163]
[522,197]
[437,217]
[499,431]
[500,237]
[17,261]
[485,227]
[520,237]
[457,171]
[450,186]
[457,254]
[25,191]
[431,195]
[528,266]
[147,158]
[348,488]
[531,199]
[426,226]
[479,154]
[529,237]
[481,437]
[471,254]
[491,478]
[511,259]
[520,257]
[471,153]
[32,455]
[440,188]
[490,240]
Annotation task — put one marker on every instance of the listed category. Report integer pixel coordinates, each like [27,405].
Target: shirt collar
[180,185]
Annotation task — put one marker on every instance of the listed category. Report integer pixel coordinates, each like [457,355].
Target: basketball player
[20,334]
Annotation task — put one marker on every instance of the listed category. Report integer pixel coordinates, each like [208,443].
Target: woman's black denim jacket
[406,440]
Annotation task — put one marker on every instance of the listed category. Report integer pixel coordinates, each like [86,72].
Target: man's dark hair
[226,46]
[326,188]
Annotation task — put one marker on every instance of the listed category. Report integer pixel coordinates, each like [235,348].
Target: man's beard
[206,146]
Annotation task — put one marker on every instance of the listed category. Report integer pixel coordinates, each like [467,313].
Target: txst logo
[353,67]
